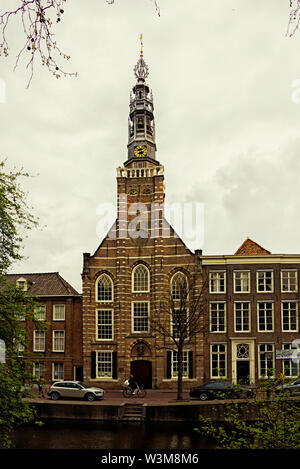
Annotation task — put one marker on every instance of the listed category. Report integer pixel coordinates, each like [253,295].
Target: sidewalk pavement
[115,396]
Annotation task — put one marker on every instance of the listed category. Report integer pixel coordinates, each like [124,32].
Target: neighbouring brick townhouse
[56,353]
[253,310]
[251,313]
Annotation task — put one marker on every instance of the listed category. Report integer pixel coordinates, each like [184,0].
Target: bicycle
[139,391]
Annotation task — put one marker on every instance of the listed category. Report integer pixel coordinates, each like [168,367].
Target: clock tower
[141,126]
[141,179]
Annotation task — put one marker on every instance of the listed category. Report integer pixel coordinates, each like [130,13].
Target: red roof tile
[250,248]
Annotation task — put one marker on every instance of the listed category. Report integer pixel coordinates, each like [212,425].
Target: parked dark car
[220,390]
[75,390]
[293,388]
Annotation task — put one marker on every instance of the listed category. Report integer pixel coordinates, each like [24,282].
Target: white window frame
[35,349]
[185,365]
[257,313]
[40,364]
[235,279]
[38,310]
[53,341]
[288,346]
[272,281]
[289,329]
[218,273]
[53,370]
[54,312]
[133,317]
[148,279]
[105,375]
[219,353]
[104,274]
[243,330]
[218,317]
[23,281]
[295,271]
[260,353]
[99,310]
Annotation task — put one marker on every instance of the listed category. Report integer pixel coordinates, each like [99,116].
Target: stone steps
[133,412]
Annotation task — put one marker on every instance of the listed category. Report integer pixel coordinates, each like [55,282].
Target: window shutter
[169,361]
[93,365]
[191,364]
[114,365]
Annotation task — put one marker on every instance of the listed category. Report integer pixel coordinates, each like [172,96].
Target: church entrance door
[142,372]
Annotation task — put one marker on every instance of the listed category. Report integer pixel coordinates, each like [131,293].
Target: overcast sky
[227,122]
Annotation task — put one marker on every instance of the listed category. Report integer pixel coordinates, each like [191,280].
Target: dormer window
[22,283]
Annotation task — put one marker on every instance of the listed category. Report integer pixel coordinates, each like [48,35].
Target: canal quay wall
[151,412]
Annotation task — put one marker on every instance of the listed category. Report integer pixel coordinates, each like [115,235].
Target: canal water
[110,435]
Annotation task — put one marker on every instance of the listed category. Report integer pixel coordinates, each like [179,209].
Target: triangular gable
[250,248]
[167,231]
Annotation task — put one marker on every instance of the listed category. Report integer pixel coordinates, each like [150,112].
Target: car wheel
[90,397]
[203,396]
[55,396]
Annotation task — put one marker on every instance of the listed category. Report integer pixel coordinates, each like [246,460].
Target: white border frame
[112,289]
[97,361]
[53,311]
[281,283]
[132,317]
[210,361]
[297,314]
[272,302]
[225,317]
[225,281]
[132,279]
[272,281]
[234,317]
[249,281]
[34,341]
[112,324]
[53,341]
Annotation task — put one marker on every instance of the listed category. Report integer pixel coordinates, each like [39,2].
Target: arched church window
[104,288]
[140,279]
[179,286]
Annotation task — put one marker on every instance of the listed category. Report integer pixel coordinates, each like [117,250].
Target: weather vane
[141,39]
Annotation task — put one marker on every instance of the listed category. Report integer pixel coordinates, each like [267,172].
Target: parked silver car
[74,390]
[292,388]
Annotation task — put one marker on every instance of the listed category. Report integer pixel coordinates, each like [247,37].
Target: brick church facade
[250,298]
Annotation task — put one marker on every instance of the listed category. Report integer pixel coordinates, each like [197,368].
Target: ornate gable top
[250,248]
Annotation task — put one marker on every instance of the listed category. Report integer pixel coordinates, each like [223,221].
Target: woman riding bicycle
[132,384]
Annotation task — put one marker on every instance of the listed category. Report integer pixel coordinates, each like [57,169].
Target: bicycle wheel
[142,392]
[126,392]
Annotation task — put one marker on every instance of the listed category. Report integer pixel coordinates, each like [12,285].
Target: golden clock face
[140,150]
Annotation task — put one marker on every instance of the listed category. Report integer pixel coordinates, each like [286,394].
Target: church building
[250,299]
[139,262]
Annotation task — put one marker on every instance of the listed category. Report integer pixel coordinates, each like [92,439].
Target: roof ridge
[31,273]
[67,285]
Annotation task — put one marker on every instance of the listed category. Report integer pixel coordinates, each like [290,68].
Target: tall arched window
[140,279]
[179,286]
[104,288]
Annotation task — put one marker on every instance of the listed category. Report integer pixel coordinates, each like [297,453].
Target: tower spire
[141,128]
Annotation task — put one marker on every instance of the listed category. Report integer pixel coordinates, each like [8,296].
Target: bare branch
[293,23]
[37,23]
